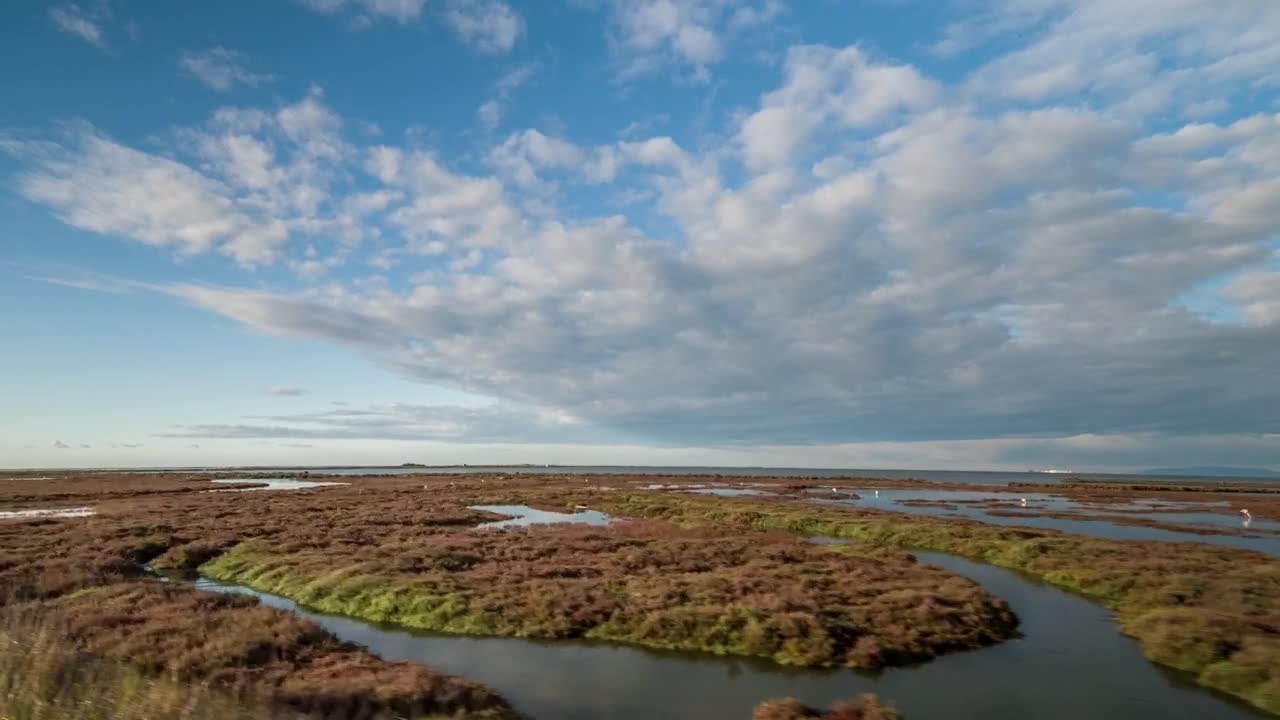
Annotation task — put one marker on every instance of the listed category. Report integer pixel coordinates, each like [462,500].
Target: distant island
[1215,471]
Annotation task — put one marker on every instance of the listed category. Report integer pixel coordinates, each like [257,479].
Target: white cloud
[458,210]
[828,85]
[221,69]
[282,391]
[74,20]
[488,25]
[59,445]
[649,34]
[250,182]
[101,186]
[1257,295]
[527,152]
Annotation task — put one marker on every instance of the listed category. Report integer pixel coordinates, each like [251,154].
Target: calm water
[523,516]
[1071,664]
[280,483]
[892,499]
[955,476]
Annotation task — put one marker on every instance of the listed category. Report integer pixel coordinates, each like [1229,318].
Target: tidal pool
[965,504]
[1071,663]
[523,515]
[271,484]
[74,512]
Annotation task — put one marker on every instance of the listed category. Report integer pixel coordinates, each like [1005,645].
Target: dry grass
[42,677]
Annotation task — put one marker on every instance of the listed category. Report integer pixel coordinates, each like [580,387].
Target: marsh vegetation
[728,575]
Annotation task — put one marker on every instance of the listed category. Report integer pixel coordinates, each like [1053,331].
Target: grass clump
[42,677]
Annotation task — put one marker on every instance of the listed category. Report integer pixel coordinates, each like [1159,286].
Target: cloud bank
[1074,239]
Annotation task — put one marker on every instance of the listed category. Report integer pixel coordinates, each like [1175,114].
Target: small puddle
[729,492]
[1071,663]
[74,512]
[523,515]
[271,484]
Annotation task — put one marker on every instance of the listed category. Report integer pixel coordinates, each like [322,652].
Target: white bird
[1023,502]
[877,493]
[1245,513]
[834,491]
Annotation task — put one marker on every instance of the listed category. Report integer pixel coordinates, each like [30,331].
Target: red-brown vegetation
[867,707]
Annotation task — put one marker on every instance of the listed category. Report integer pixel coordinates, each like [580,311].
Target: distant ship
[1052,471]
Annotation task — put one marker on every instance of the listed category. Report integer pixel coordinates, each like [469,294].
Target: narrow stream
[1071,663]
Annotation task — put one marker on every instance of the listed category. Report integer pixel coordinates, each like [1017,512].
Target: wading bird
[1023,502]
[1244,513]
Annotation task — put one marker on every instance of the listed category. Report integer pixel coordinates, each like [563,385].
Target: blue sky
[876,233]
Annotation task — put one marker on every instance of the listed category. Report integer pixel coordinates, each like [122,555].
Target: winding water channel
[1071,663]
[960,506]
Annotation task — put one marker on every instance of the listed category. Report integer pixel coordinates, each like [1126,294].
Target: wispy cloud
[490,114]
[59,445]
[286,391]
[369,11]
[75,20]
[91,281]
[221,69]
[403,421]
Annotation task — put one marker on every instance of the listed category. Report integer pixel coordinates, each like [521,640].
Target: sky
[965,234]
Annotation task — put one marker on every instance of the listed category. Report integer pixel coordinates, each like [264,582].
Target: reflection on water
[74,512]
[280,483]
[523,515]
[1071,663]
[728,492]
[975,505]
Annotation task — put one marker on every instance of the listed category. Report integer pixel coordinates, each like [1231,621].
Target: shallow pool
[271,484]
[74,512]
[523,515]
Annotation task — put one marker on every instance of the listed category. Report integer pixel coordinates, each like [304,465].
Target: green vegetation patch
[647,583]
